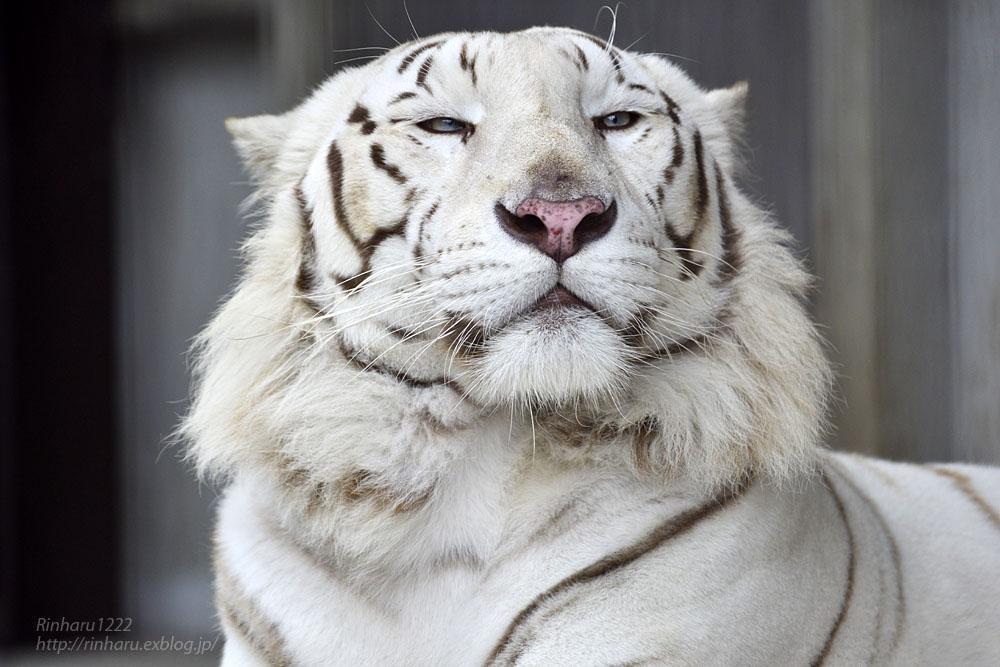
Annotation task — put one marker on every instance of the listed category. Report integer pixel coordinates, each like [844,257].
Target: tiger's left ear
[259,140]
[729,107]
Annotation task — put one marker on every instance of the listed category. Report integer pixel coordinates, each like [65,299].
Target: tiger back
[515,374]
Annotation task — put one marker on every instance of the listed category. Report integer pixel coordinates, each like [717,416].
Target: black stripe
[671,528]
[423,71]
[378,369]
[634,332]
[403,334]
[305,281]
[732,262]
[350,283]
[377,154]
[639,86]
[360,115]
[402,96]
[380,235]
[848,587]
[466,337]
[701,202]
[964,484]
[418,249]
[583,57]
[468,64]
[335,163]
[672,108]
[569,56]
[368,249]
[893,549]
[408,60]
[677,158]
[610,52]
[463,57]
[682,245]
[685,346]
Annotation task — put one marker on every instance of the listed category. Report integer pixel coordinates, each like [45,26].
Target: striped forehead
[531,62]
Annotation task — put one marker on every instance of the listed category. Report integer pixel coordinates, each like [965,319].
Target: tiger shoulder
[515,374]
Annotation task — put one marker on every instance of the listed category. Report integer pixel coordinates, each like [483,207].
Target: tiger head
[531,220]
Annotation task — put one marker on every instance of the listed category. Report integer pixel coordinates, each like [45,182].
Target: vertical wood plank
[294,49]
[843,182]
[912,280]
[975,218]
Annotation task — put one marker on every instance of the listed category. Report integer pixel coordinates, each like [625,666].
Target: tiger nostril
[526,228]
[530,224]
[558,228]
[595,225]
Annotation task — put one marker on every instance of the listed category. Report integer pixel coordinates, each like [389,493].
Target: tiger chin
[515,374]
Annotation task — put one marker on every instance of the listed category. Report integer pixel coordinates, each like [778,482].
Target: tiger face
[531,217]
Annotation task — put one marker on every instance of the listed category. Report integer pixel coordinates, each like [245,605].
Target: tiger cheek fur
[508,336]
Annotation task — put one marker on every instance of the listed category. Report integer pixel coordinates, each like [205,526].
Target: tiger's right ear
[258,140]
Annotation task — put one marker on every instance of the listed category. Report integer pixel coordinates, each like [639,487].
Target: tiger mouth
[560,297]
[470,338]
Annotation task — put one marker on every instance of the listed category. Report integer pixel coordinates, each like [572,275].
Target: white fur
[415,456]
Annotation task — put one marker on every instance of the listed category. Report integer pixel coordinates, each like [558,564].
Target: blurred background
[874,137]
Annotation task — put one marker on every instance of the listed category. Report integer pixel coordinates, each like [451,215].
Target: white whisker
[369,9]
[412,27]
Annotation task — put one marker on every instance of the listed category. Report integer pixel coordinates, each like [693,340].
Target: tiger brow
[408,60]
[402,96]
[610,52]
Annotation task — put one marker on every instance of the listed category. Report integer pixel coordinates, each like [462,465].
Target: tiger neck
[429,488]
[459,495]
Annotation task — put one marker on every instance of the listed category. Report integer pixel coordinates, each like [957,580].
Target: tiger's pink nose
[558,228]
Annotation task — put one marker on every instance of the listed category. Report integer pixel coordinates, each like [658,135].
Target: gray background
[874,138]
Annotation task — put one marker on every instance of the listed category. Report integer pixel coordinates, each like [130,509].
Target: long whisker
[369,9]
[351,60]
[700,252]
[412,27]
[635,41]
[362,48]
[614,23]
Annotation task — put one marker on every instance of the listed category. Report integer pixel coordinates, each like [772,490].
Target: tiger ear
[731,106]
[258,140]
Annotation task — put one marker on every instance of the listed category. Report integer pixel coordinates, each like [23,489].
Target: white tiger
[516,375]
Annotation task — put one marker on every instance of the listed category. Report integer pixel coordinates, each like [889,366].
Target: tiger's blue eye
[619,120]
[443,125]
